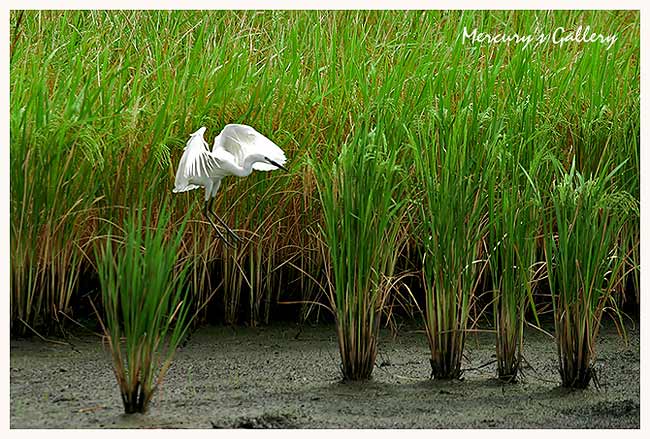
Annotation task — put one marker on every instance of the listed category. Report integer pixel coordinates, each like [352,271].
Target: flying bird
[237,150]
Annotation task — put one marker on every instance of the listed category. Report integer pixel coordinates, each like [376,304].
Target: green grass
[102,104]
[584,264]
[144,300]
[515,209]
[362,194]
[452,228]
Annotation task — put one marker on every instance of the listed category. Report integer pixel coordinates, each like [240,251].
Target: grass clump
[362,212]
[514,218]
[102,103]
[584,264]
[145,303]
[453,225]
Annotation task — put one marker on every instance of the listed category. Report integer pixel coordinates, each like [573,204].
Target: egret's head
[274,163]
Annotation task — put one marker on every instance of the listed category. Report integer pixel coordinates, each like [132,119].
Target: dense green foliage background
[103,102]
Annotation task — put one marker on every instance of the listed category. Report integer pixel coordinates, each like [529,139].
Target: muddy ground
[278,377]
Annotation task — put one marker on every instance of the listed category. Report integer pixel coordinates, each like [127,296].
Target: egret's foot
[216,229]
[228,243]
[230,233]
[225,226]
[236,237]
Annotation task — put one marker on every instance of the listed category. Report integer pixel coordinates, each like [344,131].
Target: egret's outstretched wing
[242,141]
[197,164]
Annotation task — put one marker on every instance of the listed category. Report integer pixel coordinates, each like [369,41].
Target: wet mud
[288,377]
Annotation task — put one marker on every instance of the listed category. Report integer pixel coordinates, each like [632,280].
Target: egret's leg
[223,238]
[210,186]
[228,229]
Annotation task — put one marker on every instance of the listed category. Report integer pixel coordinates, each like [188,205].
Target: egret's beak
[276,164]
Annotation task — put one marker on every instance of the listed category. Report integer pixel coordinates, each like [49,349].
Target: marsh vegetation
[474,186]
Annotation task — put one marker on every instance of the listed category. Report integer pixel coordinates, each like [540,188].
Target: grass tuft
[102,103]
[584,264]
[145,302]
[363,208]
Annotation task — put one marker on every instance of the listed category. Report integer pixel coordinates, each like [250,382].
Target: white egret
[237,150]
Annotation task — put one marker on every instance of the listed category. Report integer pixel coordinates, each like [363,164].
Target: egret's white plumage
[242,141]
[237,150]
[197,164]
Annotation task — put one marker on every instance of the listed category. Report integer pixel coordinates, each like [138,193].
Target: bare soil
[281,377]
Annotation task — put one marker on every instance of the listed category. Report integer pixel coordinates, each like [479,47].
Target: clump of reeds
[514,219]
[144,301]
[453,225]
[47,242]
[584,264]
[362,212]
[78,149]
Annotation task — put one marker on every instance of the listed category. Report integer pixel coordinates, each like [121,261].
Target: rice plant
[50,221]
[584,265]
[102,103]
[514,209]
[144,301]
[452,228]
[362,213]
